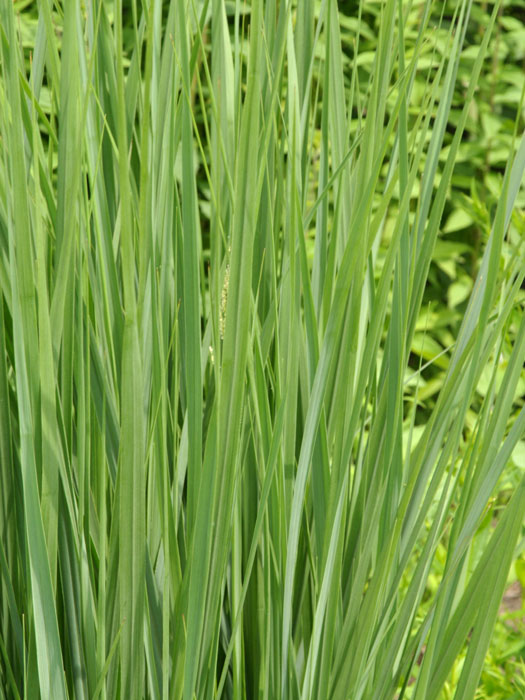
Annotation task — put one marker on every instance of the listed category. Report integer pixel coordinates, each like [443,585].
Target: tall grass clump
[217,475]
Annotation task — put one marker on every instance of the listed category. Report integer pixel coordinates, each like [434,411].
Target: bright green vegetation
[248,447]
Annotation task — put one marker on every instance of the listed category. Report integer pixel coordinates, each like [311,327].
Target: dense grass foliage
[261,368]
